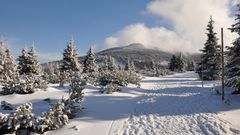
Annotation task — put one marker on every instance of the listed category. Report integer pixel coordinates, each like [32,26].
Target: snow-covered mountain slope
[169,105]
[141,56]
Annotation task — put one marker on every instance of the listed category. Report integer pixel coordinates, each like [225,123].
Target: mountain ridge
[136,52]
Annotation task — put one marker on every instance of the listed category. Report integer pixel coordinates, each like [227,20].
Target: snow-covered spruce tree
[36,70]
[180,63]
[65,109]
[233,64]
[21,119]
[190,65]
[173,63]
[31,75]
[109,78]
[153,66]
[2,58]
[113,79]
[131,75]
[51,73]
[89,62]
[130,66]
[177,63]
[110,64]
[90,67]
[23,62]
[10,67]
[11,76]
[210,65]
[53,119]
[69,63]
[26,84]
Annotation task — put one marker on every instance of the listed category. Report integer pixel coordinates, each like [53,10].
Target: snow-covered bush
[65,109]
[113,80]
[91,78]
[133,78]
[40,83]
[26,85]
[51,77]
[73,103]
[56,117]
[53,119]
[9,88]
[21,119]
[112,77]
[110,88]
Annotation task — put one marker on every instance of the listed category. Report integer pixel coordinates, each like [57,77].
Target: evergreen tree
[35,69]
[190,65]
[209,67]
[173,63]
[153,66]
[177,63]
[89,62]
[10,67]
[35,66]
[233,64]
[31,75]
[110,65]
[11,75]
[180,63]
[130,66]
[70,62]
[133,67]
[23,62]
[2,58]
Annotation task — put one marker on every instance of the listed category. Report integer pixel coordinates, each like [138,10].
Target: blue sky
[169,25]
[50,23]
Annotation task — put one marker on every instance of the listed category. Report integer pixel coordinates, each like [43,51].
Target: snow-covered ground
[172,105]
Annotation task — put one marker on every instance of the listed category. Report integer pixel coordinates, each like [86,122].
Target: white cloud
[188,18]
[157,37]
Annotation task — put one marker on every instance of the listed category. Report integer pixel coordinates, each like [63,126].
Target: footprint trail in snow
[175,105]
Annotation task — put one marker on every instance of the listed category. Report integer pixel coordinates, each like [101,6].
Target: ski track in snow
[176,106]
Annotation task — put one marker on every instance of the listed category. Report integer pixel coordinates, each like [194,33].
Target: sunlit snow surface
[171,105]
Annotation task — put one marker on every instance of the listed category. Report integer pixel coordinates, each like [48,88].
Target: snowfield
[170,105]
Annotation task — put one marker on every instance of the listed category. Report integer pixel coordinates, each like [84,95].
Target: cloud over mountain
[188,19]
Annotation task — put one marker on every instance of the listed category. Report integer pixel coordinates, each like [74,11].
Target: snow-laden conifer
[233,64]
[210,65]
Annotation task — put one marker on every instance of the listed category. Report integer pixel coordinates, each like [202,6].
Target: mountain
[138,53]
